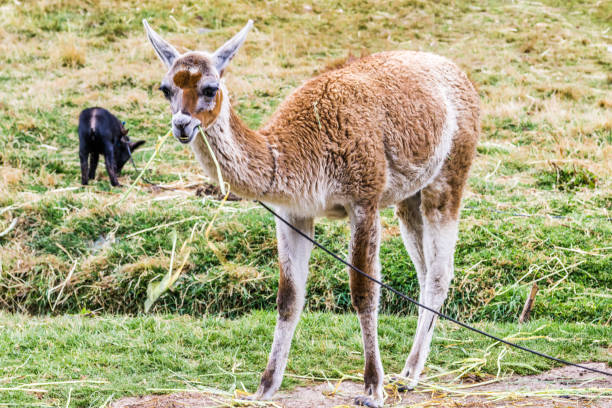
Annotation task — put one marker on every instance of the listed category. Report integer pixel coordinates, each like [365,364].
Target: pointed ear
[226,52]
[136,145]
[165,51]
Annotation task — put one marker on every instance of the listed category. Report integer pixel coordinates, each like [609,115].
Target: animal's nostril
[181,122]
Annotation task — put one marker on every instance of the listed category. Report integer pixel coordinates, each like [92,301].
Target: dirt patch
[213,191]
[201,190]
[560,387]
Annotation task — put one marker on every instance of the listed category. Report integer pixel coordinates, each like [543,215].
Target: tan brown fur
[188,82]
[357,134]
[185,79]
[208,117]
[389,128]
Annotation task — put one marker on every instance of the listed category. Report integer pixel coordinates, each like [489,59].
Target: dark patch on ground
[211,190]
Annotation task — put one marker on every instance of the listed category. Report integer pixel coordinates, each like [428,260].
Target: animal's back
[382,125]
[96,122]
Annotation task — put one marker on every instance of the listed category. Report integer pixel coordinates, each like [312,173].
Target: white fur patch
[294,253]
[398,186]
[438,246]
[94,119]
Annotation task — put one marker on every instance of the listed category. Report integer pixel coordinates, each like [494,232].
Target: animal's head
[122,129]
[124,149]
[192,83]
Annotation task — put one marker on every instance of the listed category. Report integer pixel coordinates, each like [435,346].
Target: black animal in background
[100,132]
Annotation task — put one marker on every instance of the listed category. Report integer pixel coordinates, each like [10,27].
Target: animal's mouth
[185,138]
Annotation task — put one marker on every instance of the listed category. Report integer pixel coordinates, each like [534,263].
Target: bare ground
[560,387]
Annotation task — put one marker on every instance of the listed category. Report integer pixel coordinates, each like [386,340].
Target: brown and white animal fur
[395,128]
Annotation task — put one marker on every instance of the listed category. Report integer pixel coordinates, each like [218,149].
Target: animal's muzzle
[184,127]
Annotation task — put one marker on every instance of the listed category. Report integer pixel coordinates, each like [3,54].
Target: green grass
[566,178]
[110,356]
[537,205]
[498,256]
[542,72]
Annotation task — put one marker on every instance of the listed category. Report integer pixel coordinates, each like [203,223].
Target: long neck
[244,155]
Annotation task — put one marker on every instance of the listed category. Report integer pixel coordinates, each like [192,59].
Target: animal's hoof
[365,401]
[402,385]
[258,396]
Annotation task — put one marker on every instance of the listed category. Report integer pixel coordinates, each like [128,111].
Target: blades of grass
[37,390]
[107,401]
[202,390]
[156,227]
[10,227]
[499,360]
[209,243]
[69,397]
[158,146]
[63,285]
[155,289]
[212,155]
[521,365]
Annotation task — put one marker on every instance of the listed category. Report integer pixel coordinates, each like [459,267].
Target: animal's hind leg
[365,243]
[293,254]
[93,164]
[411,228]
[83,153]
[440,202]
[438,245]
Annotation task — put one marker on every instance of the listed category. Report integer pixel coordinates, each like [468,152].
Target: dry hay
[560,387]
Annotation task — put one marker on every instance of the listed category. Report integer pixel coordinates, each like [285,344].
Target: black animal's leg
[111,165]
[93,165]
[83,158]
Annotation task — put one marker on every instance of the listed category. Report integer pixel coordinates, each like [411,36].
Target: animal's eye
[210,91]
[165,90]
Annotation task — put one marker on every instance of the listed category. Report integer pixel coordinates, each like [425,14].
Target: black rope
[408,298]
[515,214]
[400,294]
[146,180]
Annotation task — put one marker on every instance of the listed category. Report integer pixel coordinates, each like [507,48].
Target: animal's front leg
[365,243]
[111,164]
[293,254]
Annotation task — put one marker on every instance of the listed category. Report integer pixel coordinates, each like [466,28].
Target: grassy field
[537,207]
[44,360]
